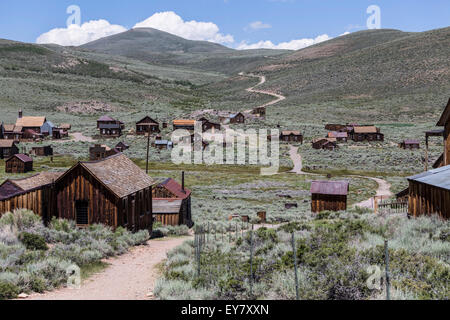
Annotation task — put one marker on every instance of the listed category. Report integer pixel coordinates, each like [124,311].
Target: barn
[146,125]
[172,203]
[329,195]
[19,163]
[113,191]
[8,148]
[429,193]
[33,193]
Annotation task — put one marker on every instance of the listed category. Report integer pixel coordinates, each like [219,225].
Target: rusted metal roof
[338,188]
[184,122]
[119,174]
[30,122]
[175,188]
[106,118]
[439,177]
[335,134]
[368,129]
[166,206]
[22,157]
[445,115]
[6,143]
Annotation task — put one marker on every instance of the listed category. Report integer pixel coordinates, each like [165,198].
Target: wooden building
[10,132]
[237,118]
[259,111]
[109,127]
[366,133]
[101,151]
[429,193]
[172,203]
[339,136]
[335,127]
[324,144]
[29,135]
[409,144]
[291,136]
[19,163]
[43,151]
[162,144]
[329,195]
[208,125]
[32,123]
[121,146]
[47,129]
[146,125]
[8,148]
[113,191]
[444,121]
[33,193]
[184,124]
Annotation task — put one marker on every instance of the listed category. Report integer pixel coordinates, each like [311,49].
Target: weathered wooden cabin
[208,125]
[10,132]
[109,127]
[339,136]
[32,123]
[409,144]
[113,191]
[43,151]
[30,135]
[19,163]
[429,193]
[8,148]
[324,144]
[329,195]
[444,121]
[184,124]
[366,133]
[121,146]
[259,111]
[146,125]
[291,136]
[237,118]
[33,193]
[59,134]
[335,127]
[101,151]
[172,203]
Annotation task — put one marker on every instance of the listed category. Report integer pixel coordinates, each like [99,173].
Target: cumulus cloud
[291,45]
[258,25]
[76,35]
[172,23]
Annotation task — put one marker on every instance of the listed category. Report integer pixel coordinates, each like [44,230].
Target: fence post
[251,262]
[295,266]
[388,280]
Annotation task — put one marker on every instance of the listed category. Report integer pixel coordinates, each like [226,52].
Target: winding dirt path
[384,190]
[131,276]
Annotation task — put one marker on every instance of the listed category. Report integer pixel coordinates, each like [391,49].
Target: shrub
[8,290]
[33,241]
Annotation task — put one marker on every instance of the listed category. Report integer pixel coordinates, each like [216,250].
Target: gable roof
[22,157]
[288,133]
[236,114]
[118,174]
[339,188]
[336,134]
[445,115]
[6,143]
[13,187]
[147,121]
[9,127]
[30,122]
[106,118]
[176,188]
[439,177]
[184,122]
[366,129]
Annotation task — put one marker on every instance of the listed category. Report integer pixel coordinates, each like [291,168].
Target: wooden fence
[393,206]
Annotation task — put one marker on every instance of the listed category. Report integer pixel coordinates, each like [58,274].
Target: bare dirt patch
[86,107]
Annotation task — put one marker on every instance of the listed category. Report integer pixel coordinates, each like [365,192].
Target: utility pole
[148,149]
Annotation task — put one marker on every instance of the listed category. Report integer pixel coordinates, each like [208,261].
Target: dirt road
[262,80]
[384,190]
[131,276]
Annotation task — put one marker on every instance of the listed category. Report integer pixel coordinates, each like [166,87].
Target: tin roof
[439,177]
[339,188]
[6,143]
[30,122]
[170,206]
[367,129]
[175,188]
[21,157]
[445,115]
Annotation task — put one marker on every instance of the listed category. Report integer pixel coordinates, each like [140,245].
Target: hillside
[162,48]
[379,75]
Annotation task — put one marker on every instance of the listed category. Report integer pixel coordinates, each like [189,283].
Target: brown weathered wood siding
[428,200]
[15,165]
[447,144]
[168,219]
[320,202]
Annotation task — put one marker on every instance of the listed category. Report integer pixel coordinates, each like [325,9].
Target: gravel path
[131,276]
[384,190]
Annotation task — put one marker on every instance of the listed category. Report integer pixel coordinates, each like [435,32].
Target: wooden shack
[208,125]
[34,193]
[429,193]
[444,121]
[259,111]
[10,132]
[109,127]
[338,135]
[366,133]
[324,144]
[19,163]
[184,124]
[121,146]
[101,151]
[113,191]
[146,125]
[42,151]
[172,203]
[32,123]
[329,195]
[335,127]
[409,144]
[291,136]
[29,135]
[237,118]
[8,148]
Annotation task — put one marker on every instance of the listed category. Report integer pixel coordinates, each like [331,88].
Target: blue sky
[272,20]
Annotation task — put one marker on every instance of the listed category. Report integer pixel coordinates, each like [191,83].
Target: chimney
[20,113]
[182,182]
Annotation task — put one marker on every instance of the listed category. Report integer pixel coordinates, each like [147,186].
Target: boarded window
[82,212]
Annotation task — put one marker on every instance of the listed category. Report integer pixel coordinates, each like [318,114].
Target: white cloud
[172,23]
[76,35]
[258,25]
[291,45]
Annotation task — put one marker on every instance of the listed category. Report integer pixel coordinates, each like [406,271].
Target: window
[81,208]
